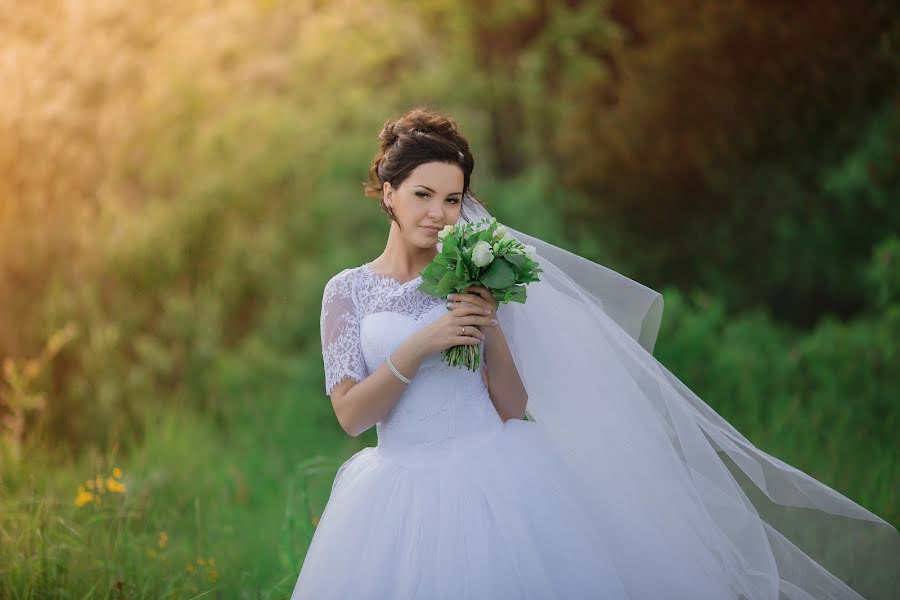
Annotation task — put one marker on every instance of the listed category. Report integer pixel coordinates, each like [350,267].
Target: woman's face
[427,200]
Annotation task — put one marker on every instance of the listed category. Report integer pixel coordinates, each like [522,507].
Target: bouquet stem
[464,355]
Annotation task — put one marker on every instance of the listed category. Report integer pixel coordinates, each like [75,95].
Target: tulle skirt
[501,515]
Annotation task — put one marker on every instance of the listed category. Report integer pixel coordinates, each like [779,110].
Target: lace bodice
[365,317]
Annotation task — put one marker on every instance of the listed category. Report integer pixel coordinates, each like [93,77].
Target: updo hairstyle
[420,136]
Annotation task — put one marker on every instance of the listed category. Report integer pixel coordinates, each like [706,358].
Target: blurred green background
[178,180]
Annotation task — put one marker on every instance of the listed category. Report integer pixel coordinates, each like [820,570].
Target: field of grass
[225,507]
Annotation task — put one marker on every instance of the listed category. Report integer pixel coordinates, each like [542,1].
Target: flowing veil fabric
[583,344]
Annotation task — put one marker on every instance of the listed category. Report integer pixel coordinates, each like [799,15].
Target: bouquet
[480,253]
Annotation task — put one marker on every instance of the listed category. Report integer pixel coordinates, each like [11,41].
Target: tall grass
[227,508]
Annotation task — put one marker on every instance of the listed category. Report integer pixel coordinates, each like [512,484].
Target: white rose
[529,251]
[500,232]
[447,230]
[482,254]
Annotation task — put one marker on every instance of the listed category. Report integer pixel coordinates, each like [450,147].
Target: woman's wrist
[493,333]
[413,350]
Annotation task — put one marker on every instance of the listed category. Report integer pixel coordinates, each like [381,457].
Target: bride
[571,464]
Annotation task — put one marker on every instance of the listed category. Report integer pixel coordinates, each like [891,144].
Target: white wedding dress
[454,503]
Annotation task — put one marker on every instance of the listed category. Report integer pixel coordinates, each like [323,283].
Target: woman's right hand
[447,331]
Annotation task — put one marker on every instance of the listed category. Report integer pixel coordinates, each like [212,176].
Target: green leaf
[430,272]
[461,270]
[517,293]
[447,284]
[450,243]
[430,287]
[499,274]
[518,260]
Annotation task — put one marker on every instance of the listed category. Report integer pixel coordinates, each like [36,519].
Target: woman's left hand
[478,295]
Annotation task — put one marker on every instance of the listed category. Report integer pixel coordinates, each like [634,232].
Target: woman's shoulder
[342,282]
[347,274]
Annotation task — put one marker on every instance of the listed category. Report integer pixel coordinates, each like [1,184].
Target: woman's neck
[401,259]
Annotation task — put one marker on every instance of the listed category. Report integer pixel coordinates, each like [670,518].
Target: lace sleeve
[339,326]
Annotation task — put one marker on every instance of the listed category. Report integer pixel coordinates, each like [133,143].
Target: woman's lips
[431,229]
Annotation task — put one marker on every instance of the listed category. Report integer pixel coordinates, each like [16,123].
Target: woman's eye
[425,195]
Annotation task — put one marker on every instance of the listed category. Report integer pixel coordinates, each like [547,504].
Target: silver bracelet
[396,372]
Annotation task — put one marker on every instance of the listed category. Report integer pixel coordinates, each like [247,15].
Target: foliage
[748,148]
[824,398]
[198,263]
[179,181]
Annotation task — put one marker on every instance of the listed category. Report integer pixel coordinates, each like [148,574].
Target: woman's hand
[480,296]
[462,324]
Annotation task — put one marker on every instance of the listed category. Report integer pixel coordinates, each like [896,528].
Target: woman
[621,483]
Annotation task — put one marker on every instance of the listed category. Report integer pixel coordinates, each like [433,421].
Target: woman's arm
[501,378]
[359,405]
[504,384]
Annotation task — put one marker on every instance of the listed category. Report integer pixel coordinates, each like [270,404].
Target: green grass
[244,495]
[224,504]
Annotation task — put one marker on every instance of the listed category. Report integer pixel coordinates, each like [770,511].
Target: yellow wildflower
[213,575]
[117,472]
[98,482]
[115,486]
[201,561]
[151,552]
[163,539]
[83,497]
[190,568]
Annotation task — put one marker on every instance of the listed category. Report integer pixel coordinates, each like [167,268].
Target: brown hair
[420,136]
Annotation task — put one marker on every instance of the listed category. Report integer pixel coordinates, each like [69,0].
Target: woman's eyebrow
[432,191]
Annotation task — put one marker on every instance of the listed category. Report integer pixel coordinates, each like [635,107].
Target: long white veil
[583,344]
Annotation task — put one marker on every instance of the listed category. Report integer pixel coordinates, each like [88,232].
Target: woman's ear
[387,193]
